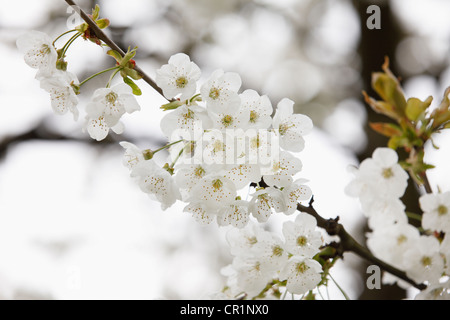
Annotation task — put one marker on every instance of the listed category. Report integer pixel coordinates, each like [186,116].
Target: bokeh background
[73,225]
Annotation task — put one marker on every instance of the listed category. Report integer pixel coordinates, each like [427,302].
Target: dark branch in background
[43,133]
[110,43]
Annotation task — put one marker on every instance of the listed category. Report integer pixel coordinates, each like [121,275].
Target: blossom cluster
[422,250]
[106,106]
[222,145]
[262,257]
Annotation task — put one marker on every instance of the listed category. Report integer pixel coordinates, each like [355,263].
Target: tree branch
[349,244]
[110,43]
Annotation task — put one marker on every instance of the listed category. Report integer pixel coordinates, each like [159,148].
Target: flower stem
[62,35]
[110,43]
[98,73]
[68,44]
[167,146]
[112,76]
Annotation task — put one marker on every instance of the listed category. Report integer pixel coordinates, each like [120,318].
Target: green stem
[339,287]
[112,76]
[414,216]
[62,35]
[97,74]
[167,146]
[68,44]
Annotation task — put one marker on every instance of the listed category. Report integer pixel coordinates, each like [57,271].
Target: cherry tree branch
[349,244]
[110,43]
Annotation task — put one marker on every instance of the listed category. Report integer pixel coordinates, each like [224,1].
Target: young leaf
[415,108]
[136,90]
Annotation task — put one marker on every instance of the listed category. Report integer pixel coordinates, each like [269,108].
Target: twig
[110,43]
[349,244]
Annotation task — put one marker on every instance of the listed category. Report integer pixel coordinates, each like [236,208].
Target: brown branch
[349,244]
[110,43]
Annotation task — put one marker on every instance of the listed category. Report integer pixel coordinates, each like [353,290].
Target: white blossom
[133,155]
[302,274]
[256,109]
[291,127]
[236,214]
[156,182]
[282,170]
[63,97]
[295,193]
[301,236]
[106,108]
[265,201]
[178,77]
[220,92]
[380,175]
[214,192]
[390,242]
[436,208]
[423,261]
[39,52]
[187,122]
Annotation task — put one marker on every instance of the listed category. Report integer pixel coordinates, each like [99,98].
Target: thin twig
[349,244]
[110,43]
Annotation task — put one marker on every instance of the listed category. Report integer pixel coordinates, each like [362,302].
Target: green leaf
[116,55]
[415,108]
[136,90]
[386,129]
[389,90]
[102,23]
[96,12]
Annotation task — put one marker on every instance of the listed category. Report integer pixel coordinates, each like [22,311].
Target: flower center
[284,127]
[253,116]
[252,240]
[442,210]
[217,184]
[426,261]
[181,82]
[302,241]
[199,172]
[277,251]
[387,173]
[401,239]
[214,93]
[111,97]
[227,121]
[301,267]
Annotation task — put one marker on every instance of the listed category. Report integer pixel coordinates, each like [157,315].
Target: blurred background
[73,225]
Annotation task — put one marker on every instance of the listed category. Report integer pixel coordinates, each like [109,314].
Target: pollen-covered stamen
[214,93]
[181,82]
[227,121]
[302,241]
[284,127]
[426,261]
[253,116]
[252,240]
[111,98]
[442,210]
[199,172]
[301,267]
[277,251]
[218,146]
[387,173]
[401,239]
[217,184]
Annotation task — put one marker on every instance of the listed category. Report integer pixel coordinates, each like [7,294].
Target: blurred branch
[43,133]
[110,43]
